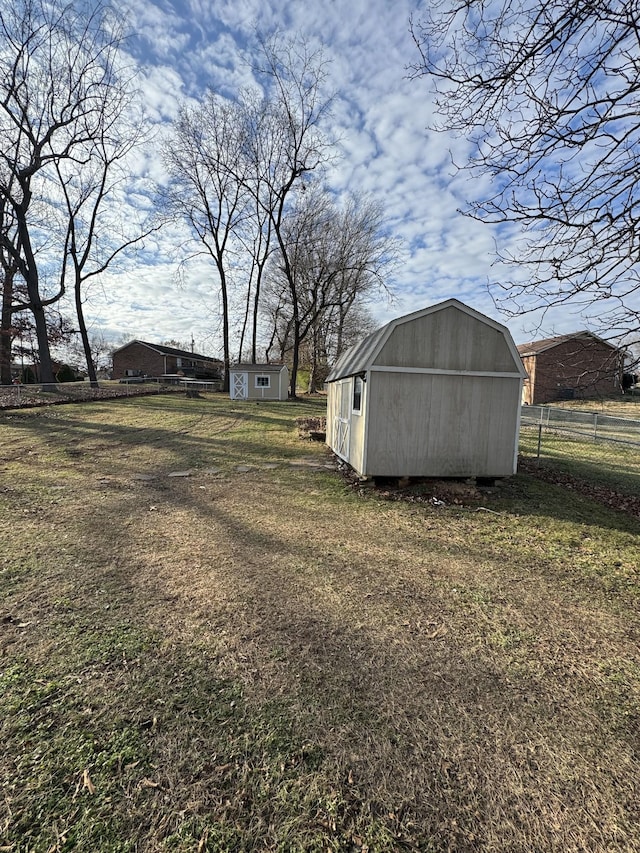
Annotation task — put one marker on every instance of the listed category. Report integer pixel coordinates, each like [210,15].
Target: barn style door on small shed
[341,422]
[240,386]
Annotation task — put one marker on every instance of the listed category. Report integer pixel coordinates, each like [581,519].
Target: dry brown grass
[254,657]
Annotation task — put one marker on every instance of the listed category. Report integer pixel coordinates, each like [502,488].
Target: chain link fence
[593,447]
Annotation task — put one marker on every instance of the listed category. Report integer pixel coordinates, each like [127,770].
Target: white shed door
[239,386]
[341,421]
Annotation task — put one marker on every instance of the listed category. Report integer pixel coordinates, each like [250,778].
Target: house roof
[360,357]
[536,347]
[164,350]
[263,368]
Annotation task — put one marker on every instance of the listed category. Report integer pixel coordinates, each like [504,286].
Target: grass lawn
[615,466]
[568,447]
[209,641]
[616,406]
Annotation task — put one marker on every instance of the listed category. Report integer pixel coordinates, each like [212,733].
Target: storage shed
[259,382]
[435,393]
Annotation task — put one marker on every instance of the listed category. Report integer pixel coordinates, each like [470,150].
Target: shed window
[357,393]
[263,382]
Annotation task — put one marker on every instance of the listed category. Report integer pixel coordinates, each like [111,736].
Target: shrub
[66,374]
[27,376]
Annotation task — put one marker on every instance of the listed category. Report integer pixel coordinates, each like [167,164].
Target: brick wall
[579,368]
[139,358]
[146,362]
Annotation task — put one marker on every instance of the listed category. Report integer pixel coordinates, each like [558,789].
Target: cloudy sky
[381,118]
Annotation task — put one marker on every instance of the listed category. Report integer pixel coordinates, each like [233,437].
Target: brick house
[139,358]
[576,366]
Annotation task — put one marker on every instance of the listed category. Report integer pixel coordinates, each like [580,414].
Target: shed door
[239,386]
[341,421]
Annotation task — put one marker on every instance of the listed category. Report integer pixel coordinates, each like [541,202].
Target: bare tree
[236,166]
[291,146]
[548,94]
[205,159]
[97,231]
[58,70]
[339,258]
[255,236]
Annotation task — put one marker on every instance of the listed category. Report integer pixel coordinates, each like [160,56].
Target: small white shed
[259,382]
[435,393]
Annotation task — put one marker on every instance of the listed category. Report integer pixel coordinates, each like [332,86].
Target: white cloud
[380,118]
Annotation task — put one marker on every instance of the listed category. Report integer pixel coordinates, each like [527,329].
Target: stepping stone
[179,474]
[242,469]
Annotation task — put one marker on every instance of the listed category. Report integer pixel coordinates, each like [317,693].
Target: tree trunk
[313,361]
[254,328]
[226,355]
[47,377]
[30,274]
[295,357]
[86,346]
[5,328]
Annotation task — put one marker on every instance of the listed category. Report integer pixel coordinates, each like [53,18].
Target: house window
[263,382]
[357,393]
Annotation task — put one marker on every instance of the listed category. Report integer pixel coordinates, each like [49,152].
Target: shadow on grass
[196,435]
[275,694]
[261,671]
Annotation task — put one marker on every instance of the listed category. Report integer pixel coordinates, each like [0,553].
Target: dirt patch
[426,490]
[419,490]
[313,429]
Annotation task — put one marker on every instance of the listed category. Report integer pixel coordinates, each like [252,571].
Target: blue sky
[380,117]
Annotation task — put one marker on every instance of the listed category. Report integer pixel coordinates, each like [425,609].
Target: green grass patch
[614,466]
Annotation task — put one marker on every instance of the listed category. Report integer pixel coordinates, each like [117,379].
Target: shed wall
[345,428]
[441,426]
[447,340]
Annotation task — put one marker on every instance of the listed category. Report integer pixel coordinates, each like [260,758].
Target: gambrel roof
[362,356]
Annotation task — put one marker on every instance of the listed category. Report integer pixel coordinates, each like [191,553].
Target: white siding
[449,340]
[442,426]
[441,397]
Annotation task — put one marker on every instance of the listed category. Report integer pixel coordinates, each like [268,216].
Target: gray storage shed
[435,393]
[259,382]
